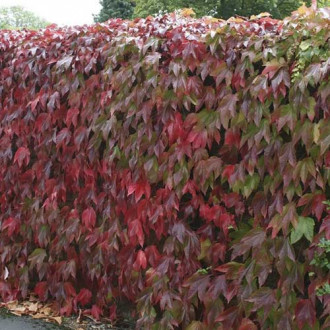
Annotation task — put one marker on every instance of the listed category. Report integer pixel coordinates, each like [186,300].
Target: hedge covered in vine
[176,163]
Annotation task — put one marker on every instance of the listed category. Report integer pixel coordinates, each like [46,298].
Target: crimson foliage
[178,163]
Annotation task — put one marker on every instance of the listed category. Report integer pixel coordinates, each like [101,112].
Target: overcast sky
[61,12]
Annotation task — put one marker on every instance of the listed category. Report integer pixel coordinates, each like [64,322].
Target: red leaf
[198,285]
[227,108]
[63,137]
[79,136]
[263,298]
[229,317]
[228,171]
[22,156]
[166,301]
[70,268]
[272,69]
[139,188]
[325,226]
[41,290]
[69,289]
[89,218]
[327,159]
[71,117]
[233,138]
[135,230]
[43,122]
[4,288]
[131,189]
[232,269]
[152,255]
[113,312]
[96,312]
[67,308]
[84,297]
[318,206]
[305,313]
[253,239]
[141,261]
[218,286]
[11,224]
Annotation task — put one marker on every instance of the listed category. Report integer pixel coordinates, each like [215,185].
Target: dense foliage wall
[178,163]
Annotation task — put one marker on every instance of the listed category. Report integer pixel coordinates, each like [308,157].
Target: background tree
[152,7]
[115,9]
[222,8]
[16,17]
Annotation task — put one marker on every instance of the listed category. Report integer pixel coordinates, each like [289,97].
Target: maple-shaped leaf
[229,318]
[152,255]
[325,227]
[67,308]
[179,231]
[231,269]
[41,290]
[283,220]
[141,261]
[305,313]
[318,206]
[286,250]
[96,312]
[139,188]
[71,117]
[250,184]
[166,301]
[11,224]
[305,228]
[228,171]
[135,230]
[217,286]
[79,136]
[263,298]
[198,284]
[37,257]
[65,62]
[43,122]
[253,239]
[63,137]
[69,289]
[70,268]
[84,297]
[227,108]
[233,138]
[89,218]
[22,156]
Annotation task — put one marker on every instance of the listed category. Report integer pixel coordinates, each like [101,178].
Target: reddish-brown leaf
[305,313]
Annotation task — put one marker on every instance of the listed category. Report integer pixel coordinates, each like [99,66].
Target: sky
[61,12]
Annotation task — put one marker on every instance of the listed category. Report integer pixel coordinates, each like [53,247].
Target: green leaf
[305,228]
[305,45]
[250,184]
[205,245]
[37,257]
